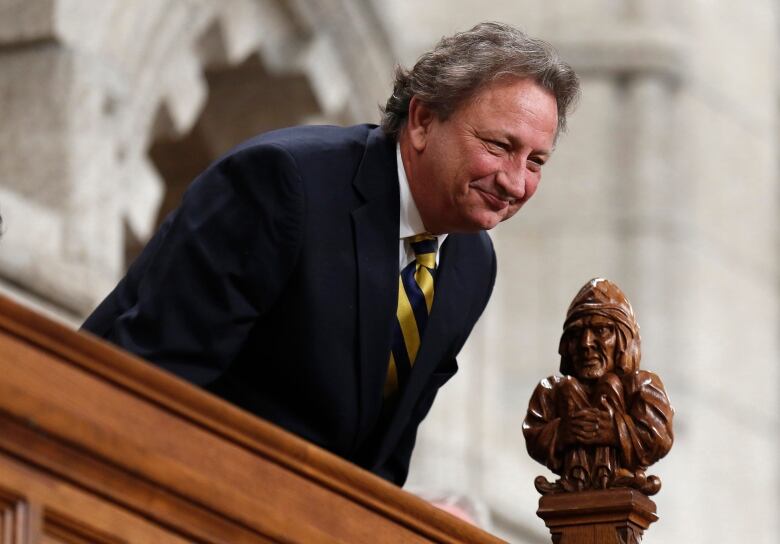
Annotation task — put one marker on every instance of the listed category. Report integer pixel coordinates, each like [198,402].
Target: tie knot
[424,247]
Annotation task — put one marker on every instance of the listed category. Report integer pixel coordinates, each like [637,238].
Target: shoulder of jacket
[478,245]
[300,139]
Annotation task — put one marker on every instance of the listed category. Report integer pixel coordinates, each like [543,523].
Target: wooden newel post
[599,425]
[610,516]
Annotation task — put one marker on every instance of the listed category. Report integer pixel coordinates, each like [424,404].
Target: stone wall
[101,99]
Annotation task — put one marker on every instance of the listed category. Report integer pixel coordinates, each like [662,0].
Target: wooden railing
[99,446]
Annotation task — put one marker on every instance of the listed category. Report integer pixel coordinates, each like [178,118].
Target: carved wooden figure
[602,423]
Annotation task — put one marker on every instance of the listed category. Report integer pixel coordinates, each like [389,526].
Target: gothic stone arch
[101,98]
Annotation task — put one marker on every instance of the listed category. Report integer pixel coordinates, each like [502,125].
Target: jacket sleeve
[540,427]
[645,424]
[219,261]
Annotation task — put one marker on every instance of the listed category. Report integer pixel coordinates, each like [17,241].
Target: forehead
[590,320]
[513,104]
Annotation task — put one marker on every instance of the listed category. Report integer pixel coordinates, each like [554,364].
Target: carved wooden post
[599,425]
[610,516]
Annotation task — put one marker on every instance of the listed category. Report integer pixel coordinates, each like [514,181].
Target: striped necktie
[415,298]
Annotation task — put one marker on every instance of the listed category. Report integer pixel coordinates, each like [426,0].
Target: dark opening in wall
[243,100]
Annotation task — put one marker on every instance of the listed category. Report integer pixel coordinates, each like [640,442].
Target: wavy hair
[460,65]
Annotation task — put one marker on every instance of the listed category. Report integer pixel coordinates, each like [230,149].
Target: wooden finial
[602,422]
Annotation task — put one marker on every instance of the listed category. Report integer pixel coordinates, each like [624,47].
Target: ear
[418,123]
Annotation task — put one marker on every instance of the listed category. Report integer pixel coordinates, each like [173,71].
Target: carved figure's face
[590,346]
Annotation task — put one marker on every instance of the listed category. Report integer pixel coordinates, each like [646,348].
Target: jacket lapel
[376,248]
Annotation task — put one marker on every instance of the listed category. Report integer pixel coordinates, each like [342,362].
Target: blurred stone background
[667,183]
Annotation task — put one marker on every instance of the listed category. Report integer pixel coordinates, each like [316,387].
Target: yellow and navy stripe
[415,299]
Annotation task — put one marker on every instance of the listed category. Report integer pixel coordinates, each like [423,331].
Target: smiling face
[479,166]
[590,346]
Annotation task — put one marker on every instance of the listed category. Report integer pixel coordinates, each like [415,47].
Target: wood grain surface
[97,445]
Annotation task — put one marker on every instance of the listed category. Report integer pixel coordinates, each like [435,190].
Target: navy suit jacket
[274,285]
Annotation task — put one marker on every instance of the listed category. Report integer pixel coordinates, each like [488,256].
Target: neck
[415,177]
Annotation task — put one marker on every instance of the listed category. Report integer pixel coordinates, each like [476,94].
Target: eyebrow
[498,134]
[542,153]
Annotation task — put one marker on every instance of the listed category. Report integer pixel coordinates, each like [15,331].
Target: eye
[535,163]
[603,330]
[498,145]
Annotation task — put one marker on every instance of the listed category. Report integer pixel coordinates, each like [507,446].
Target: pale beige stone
[88,87]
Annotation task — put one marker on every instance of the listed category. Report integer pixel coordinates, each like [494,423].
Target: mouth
[494,202]
[590,360]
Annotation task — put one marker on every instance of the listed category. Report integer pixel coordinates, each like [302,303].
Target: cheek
[608,348]
[531,184]
[512,210]
[480,164]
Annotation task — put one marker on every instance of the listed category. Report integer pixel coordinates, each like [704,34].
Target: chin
[487,221]
[488,225]
[594,373]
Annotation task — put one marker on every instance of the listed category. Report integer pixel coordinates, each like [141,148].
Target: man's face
[480,165]
[590,345]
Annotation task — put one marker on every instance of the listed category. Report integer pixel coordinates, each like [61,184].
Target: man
[604,421]
[276,284]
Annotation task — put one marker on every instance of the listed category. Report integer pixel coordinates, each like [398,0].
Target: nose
[511,181]
[588,339]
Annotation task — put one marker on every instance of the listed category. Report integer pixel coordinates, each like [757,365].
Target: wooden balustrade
[98,446]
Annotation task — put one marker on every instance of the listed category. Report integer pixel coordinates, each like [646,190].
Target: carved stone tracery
[108,80]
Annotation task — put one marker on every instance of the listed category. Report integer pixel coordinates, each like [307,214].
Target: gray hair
[460,65]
